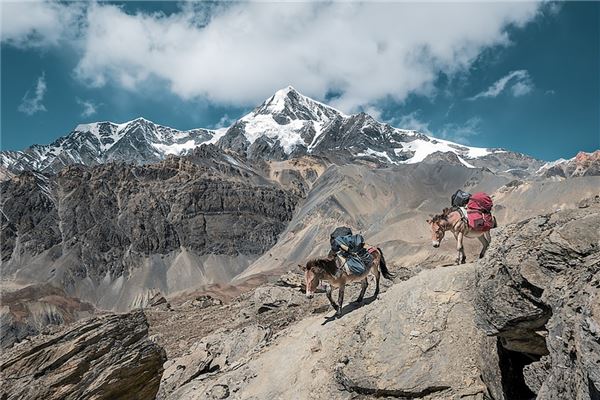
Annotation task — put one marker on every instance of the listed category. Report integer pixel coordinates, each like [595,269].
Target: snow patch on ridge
[466,164]
[423,148]
[551,164]
[288,135]
[175,148]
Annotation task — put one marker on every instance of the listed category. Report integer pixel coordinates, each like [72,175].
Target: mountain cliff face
[87,229]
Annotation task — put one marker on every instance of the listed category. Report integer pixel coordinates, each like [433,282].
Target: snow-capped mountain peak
[288,118]
[288,102]
[583,164]
[289,123]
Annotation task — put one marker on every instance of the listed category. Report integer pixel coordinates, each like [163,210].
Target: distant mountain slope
[285,126]
[583,164]
[389,207]
[111,233]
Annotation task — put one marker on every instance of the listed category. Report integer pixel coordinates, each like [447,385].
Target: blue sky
[522,76]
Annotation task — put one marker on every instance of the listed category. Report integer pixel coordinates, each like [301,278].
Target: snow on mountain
[139,141]
[288,124]
[289,118]
[422,148]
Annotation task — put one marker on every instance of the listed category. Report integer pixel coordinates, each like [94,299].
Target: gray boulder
[538,292]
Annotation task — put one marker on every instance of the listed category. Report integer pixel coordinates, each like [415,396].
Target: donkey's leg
[484,243]
[461,251]
[341,300]
[488,237]
[363,288]
[377,274]
[328,291]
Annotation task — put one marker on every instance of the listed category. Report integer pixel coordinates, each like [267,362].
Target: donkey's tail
[383,267]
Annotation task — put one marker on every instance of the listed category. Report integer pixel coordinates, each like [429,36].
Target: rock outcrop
[101,358]
[417,341]
[213,353]
[36,308]
[539,294]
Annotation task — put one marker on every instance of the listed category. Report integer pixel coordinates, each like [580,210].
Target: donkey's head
[438,224]
[314,271]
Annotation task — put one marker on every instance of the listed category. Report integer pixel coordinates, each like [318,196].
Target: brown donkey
[452,220]
[327,269]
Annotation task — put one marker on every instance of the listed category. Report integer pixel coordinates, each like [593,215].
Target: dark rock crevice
[511,365]
[349,385]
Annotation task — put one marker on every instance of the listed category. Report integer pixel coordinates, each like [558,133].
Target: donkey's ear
[303,267]
[428,220]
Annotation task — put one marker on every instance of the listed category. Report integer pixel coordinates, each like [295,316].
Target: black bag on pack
[460,198]
[339,231]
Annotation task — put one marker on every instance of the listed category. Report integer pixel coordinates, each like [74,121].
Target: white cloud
[39,23]
[521,88]
[242,52]
[518,81]
[373,111]
[32,103]
[224,122]
[89,107]
[461,133]
[411,121]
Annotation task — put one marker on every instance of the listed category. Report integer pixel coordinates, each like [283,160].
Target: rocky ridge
[538,292]
[583,164]
[502,328]
[102,358]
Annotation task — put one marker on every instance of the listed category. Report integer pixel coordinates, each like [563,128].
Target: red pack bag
[480,202]
[480,221]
